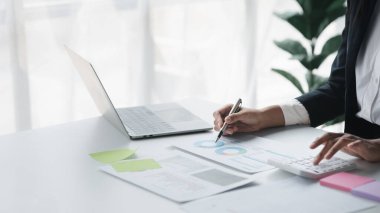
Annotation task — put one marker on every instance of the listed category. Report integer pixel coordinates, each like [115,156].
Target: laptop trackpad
[172,115]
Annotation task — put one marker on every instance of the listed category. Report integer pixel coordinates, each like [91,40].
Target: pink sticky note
[369,191]
[344,181]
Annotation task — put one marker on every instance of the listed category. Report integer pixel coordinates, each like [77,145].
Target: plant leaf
[331,45]
[295,48]
[314,61]
[316,15]
[298,21]
[336,4]
[308,6]
[290,78]
[329,18]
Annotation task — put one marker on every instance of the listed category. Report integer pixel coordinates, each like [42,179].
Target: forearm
[271,116]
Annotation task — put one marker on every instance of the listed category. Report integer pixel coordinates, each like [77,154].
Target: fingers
[240,127]
[321,154]
[362,148]
[342,142]
[222,112]
[233,118]
[349,151]
[219,116]
[231,129]
[324,138]
[333,143]
[354,144]
[217,125]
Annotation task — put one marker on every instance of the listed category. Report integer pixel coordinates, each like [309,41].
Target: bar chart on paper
[246,154]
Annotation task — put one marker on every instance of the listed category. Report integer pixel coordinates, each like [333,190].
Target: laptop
[140,121]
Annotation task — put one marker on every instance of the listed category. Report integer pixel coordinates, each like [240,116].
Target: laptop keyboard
[142,121]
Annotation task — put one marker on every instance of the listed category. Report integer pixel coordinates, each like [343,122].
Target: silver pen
[235,108]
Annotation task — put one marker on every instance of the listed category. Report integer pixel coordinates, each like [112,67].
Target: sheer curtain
[145,51]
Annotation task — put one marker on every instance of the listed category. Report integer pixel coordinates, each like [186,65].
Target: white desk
[49,170]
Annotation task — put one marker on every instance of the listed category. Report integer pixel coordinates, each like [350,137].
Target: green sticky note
[135,165]
[113,155]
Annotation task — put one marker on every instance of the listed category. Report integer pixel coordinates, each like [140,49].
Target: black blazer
[338,95]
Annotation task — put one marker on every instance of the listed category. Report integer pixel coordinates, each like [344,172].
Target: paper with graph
[246,153]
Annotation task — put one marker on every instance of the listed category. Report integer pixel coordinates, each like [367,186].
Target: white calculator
[304,167]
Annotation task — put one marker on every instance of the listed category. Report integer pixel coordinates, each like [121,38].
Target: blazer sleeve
[327,102]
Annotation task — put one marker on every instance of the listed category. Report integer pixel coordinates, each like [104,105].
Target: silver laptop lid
[96,90]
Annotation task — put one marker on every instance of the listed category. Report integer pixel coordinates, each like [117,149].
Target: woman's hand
[368,150]
[248,120]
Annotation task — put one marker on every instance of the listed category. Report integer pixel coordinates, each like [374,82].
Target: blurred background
[145,51]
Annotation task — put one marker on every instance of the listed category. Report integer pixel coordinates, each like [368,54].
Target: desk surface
[49,170]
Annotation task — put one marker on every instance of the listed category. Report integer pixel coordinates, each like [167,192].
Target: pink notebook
[344,181]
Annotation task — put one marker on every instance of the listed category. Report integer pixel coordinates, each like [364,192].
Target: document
[246,153]
[292,195]
[135,165]
[183,177]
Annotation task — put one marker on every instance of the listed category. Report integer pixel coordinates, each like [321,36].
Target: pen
[234,109]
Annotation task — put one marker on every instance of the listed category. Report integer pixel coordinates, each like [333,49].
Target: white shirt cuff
[295,113]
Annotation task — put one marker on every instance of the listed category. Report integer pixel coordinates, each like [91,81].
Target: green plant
[311,21]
